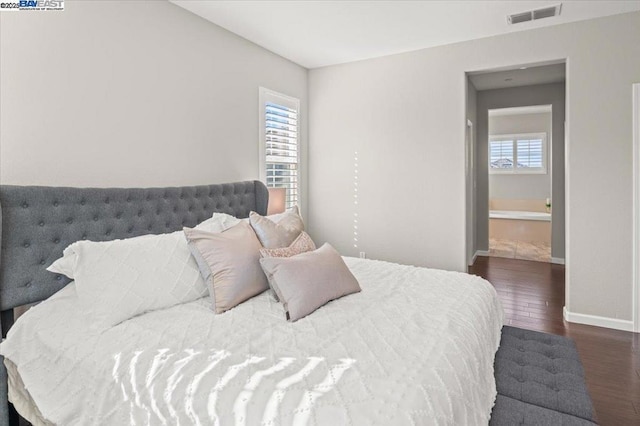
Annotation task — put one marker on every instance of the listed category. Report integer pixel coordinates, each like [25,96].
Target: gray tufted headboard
[39,222]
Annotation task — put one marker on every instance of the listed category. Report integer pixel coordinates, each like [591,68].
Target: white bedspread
[416,346]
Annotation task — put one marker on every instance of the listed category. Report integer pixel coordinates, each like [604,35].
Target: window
[523,153]
[280,143]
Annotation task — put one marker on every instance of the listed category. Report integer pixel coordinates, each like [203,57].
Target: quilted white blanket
[416,346]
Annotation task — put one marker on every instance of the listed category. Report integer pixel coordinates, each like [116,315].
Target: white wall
[136,93]
[522,186]
[405,115]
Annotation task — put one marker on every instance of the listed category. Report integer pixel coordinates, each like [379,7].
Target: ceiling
[522,76]
[320,33]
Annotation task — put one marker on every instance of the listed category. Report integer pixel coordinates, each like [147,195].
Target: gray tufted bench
[540,381]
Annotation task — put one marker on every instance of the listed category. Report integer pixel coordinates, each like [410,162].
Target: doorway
[520,182]
[524,194]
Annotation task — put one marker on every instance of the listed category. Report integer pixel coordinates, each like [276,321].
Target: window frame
[267,95]
[514,137]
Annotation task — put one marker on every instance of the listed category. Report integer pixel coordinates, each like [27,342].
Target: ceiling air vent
[533,15]
[520,17]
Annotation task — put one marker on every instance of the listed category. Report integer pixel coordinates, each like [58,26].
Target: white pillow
[120,279]
[67,263]
[277,217]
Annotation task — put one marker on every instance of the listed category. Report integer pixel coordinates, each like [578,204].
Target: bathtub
[514,225]
[518,215]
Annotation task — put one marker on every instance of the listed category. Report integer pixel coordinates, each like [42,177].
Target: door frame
[636,207]
[470,197]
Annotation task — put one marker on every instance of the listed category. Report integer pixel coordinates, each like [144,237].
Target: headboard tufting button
[25,205]
[56,240]
[28,284]
[119,215]
[95,218]
[70,221]
[55,204]
[41,223]
[26,245]
[42,261]
[82,202]
[59,277]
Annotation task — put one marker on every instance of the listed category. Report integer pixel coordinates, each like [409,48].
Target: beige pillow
[307,281]
[280,234]
[228,262]
[302,244]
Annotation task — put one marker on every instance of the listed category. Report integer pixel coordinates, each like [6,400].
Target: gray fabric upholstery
[539,376]
[510,412]
[39,222]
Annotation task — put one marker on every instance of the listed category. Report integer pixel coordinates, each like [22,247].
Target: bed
[415,346]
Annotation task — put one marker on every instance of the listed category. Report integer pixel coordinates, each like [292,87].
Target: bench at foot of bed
[540,381]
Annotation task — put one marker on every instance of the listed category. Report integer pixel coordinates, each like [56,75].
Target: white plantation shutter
[501,154]
[530,153]
[280,156]
[522,153]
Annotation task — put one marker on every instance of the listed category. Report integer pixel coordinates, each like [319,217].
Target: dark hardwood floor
[532,295]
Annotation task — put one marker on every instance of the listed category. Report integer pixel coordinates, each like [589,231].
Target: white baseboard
[598,321]
[476,254]
[557,260]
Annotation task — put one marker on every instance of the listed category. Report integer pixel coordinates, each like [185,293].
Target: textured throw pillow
[67,263]
[309,280]
[301,244]
[228,262]
[120,279]
[280,234]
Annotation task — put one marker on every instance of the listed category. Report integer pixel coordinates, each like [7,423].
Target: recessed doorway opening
[520,182]
[518,207]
